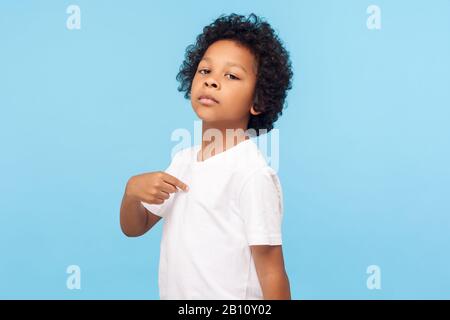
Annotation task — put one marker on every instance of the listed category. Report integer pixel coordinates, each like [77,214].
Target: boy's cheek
[194,88]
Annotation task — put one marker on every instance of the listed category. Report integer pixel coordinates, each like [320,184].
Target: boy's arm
[153,188]
[135,220]
[272,276]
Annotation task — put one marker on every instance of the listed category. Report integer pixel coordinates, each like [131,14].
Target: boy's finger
[169,188]
[163,195]
[174,181]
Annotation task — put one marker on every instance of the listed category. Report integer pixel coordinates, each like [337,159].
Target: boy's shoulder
[250,158]
[184,153]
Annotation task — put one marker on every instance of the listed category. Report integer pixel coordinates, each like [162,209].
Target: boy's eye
[232,77]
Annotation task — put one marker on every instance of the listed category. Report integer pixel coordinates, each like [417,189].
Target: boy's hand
[153,187]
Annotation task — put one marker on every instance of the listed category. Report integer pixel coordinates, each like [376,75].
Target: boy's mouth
[207,100]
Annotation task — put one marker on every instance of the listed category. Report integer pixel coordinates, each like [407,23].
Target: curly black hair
[274,71]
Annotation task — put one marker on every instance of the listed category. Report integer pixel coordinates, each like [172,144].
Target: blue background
[364,155]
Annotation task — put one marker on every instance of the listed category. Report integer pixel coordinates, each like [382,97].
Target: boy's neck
[219,137]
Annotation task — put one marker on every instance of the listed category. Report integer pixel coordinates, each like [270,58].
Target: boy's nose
[211,83]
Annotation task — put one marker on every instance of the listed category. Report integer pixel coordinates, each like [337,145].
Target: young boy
[222,231]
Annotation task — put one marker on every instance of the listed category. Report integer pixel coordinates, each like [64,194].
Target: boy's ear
[252,109]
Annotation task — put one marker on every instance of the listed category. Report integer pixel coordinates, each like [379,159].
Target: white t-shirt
[234,201]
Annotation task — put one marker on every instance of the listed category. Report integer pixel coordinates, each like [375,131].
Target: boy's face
[226,79]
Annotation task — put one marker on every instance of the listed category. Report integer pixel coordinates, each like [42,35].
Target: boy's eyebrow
[229,63]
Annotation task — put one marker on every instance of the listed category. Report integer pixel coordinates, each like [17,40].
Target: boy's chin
[208,119]
[206,114]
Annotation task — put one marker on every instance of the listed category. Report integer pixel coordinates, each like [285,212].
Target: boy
[222,229]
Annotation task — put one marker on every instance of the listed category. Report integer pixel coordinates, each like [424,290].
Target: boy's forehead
[229,52]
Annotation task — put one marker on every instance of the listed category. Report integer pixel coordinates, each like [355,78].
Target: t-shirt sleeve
[172,169]
[261,207]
